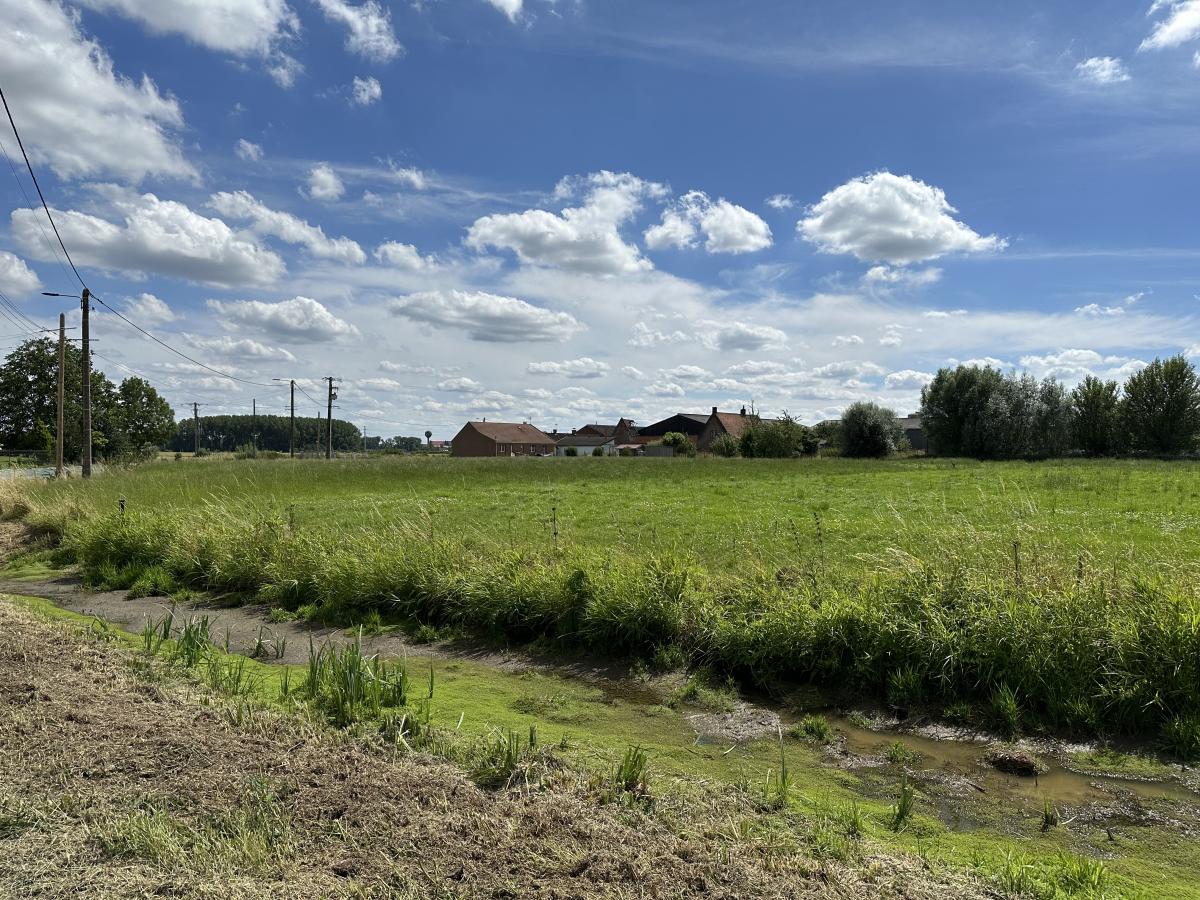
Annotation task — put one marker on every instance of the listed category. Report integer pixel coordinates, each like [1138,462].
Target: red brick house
[719,423]
[501,439]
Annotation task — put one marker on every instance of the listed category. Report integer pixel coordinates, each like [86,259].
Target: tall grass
[1072,646]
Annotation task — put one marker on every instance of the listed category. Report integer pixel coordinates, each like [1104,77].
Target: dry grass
[116,781]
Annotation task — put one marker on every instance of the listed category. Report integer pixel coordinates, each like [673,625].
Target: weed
[904,687]
[351,686]
[192,641]
[1049,815]
[501,758]
[279,615]
[903,808]
[1006,711]
[897,753]
[1181,737]
[812,727]
[703,689]
[777,788]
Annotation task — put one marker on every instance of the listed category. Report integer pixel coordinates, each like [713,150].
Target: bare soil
[118,782]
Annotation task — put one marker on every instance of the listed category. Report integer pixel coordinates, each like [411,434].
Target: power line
[180,353]
[41,196]
[29,203]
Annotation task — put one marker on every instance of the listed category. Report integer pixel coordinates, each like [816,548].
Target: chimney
[714,410]
[572,431]
[743,411]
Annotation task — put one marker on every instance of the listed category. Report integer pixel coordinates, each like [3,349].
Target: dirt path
[118,782]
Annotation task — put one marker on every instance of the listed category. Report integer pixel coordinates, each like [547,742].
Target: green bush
[782,438]
[597,451]
[870,430]
[680,443]
[571,451]
[726,445]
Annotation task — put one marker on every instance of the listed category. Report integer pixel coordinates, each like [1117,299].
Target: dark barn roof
[512,432]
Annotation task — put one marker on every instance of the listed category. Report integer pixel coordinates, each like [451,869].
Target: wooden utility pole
[329,420]
[196,428]
[292,432]
[254,421]
[62,380]
[86,454]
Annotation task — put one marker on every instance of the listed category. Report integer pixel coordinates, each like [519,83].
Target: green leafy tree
[680,443]
[954,406]
[870,430]
[782,438]
[227,433]
[1095,408]
[144,415]
[29,400]
[1162,407]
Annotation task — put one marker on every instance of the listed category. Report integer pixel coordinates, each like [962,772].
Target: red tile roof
[512,432]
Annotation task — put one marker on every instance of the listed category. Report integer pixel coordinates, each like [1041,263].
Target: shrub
[725,445]
[870,430]
[782,438]
[680,443]
[597,451]
[571,451]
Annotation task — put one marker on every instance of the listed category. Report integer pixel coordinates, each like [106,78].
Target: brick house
[719,423]
[501,439]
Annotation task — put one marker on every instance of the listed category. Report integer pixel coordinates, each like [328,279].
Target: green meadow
[1024,596]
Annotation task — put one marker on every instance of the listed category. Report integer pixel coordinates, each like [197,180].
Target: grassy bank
[1058,594]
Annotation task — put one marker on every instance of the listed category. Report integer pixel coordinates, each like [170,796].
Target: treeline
[981,412]
[226,434]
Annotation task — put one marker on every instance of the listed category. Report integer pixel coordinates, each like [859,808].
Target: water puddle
[961,764]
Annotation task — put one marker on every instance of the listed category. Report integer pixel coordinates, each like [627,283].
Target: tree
[870,430]
[782,438]
[680,443]
[953,407]
[143,415]
[1162,407]
[228,433]
[29,400]
[1095,408]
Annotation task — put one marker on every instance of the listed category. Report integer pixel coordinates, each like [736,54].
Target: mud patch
[745,723]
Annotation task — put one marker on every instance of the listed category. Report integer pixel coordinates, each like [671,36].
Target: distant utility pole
[254,421]
[292,432]
[329,419]
[86,455]
[62,378]
[196,428]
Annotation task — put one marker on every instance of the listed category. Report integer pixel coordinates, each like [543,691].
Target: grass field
[1054,594]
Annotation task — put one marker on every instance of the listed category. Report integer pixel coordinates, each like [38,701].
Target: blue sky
[575,210]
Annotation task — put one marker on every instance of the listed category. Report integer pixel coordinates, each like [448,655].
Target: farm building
[586,444]
[624,431]
[913,431]
[501,439]
[719,423]
[691,424]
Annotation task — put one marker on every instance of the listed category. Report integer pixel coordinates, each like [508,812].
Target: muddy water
[961,763]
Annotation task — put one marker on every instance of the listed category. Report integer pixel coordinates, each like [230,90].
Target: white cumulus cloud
[297,319]
[248,150]
[403,256]
[1180,26]
[370,27]
[286,227]
[162,237]
[366,91]
[585,238]
[726,228]
[890,218]
[16,278]
[150,310]
[487,317]
[1103,70]
[324,183]
[907,379]
[781,201]
[237,27]
[76,113]
[510,8]
[584,367]
[240,348]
